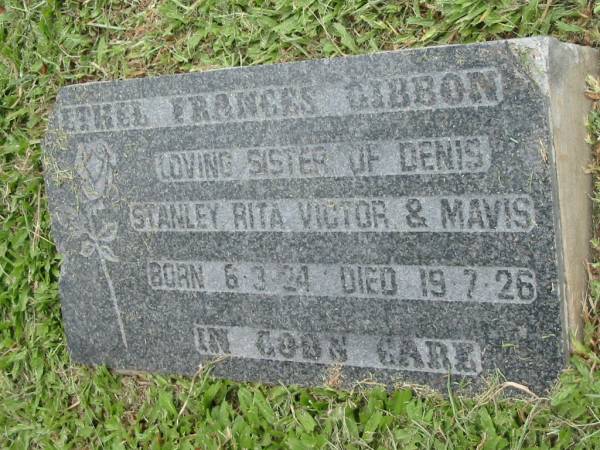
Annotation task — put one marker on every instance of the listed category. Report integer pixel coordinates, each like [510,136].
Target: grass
[46,402]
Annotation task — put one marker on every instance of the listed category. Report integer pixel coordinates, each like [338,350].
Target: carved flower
[94,239]
[99,242]
[95,162]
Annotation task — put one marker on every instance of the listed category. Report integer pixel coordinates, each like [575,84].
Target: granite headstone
[396,217]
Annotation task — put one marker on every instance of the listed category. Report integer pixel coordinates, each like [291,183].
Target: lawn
[47,402]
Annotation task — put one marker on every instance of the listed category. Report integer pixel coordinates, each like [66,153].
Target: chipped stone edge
[569,66]
[532,54]
[559,70]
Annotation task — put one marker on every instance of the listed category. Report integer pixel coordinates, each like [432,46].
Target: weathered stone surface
[404,215]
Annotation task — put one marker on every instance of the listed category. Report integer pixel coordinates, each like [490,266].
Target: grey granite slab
[400,216]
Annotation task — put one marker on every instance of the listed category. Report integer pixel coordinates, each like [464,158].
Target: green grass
[46,402]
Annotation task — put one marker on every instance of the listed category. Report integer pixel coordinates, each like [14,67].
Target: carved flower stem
[113,298]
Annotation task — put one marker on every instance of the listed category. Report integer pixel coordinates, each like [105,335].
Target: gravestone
[396,217]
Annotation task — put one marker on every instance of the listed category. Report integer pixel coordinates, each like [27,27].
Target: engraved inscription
[428,283]
[461,154]
[257,104]
[103,116]
[175,275]
[459,357]
[419,91]
[484,213]
[436,90]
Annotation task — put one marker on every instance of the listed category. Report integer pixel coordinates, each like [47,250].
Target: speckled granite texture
[395,214]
